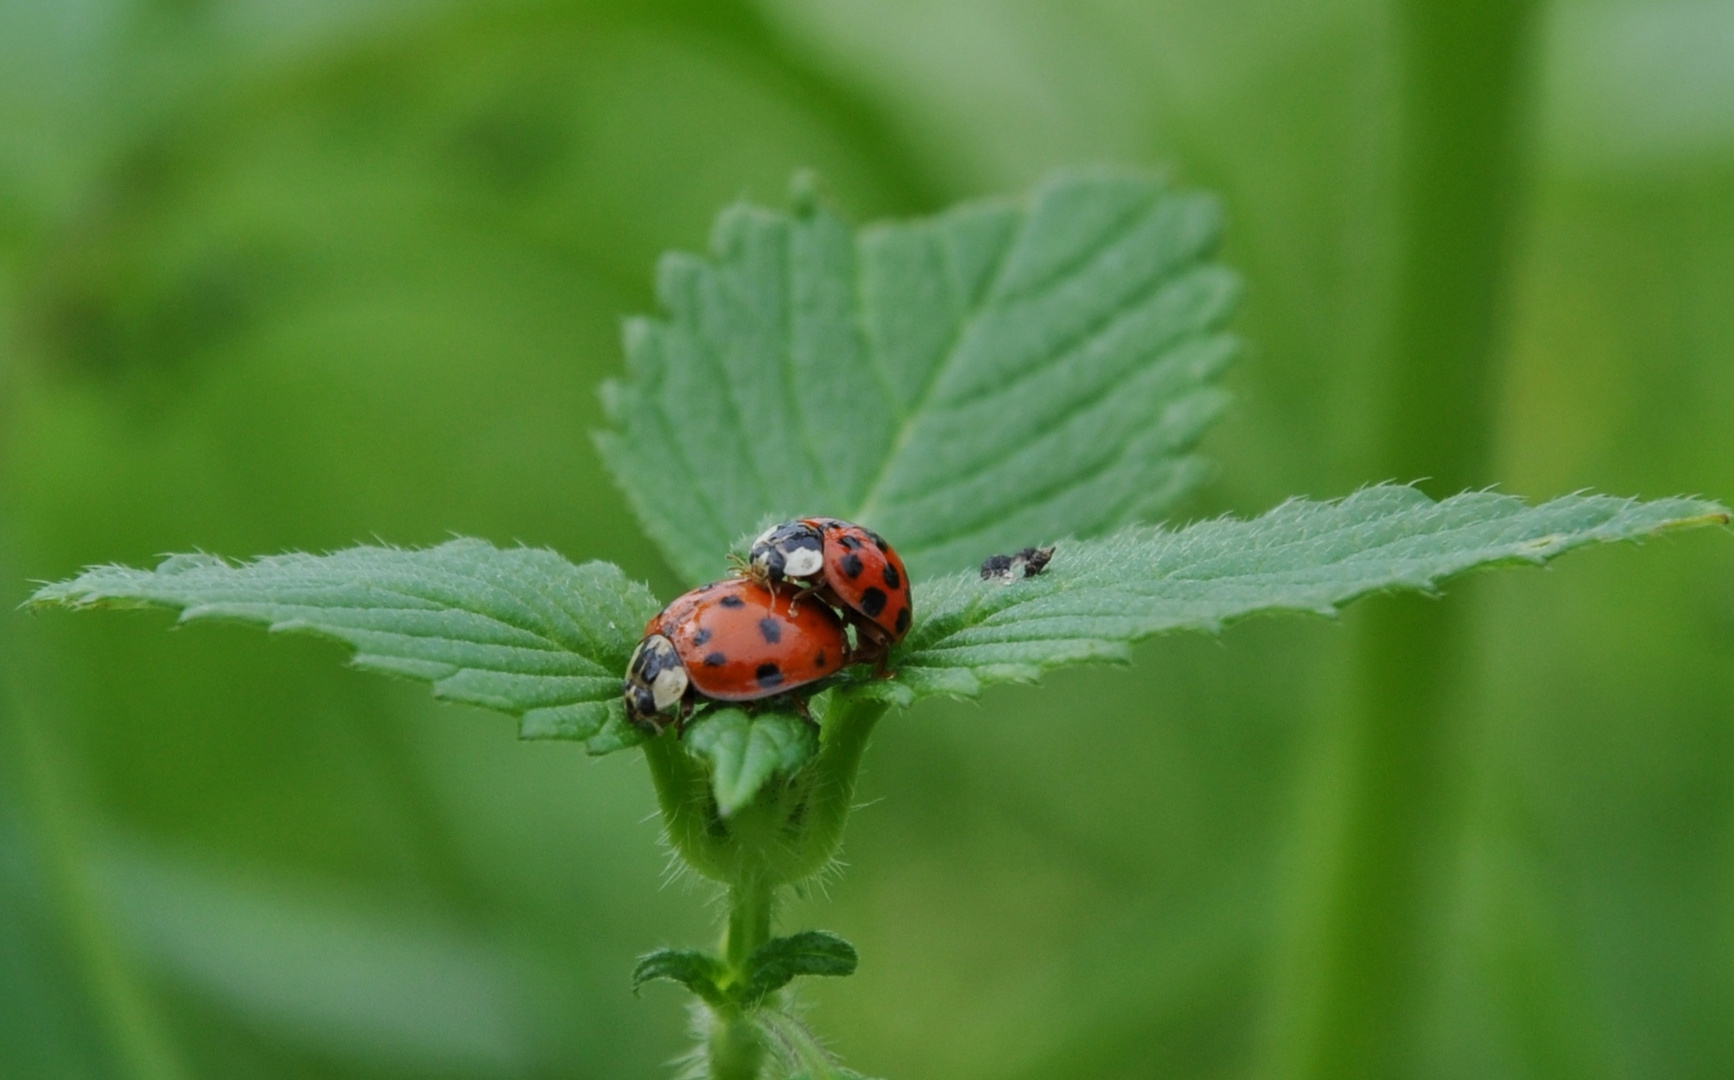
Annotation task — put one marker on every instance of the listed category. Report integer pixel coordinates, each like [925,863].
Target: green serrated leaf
[999,375]
[745,751]
[1098,597]
[811,952]
[520,630]
[699,972]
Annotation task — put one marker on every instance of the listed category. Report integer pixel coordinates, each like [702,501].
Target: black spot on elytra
[819,661]
[852,565]
[893,580]
[903,621]
[769,675]
[873,602]
[879,540]
[771,631]
[715,659]
[849,542]
[733,601]
[701,637]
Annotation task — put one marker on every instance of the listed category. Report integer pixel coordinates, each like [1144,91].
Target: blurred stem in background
[137,1045]
[1381,844]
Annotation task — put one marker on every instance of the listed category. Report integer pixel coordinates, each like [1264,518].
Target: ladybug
[732,640]
[846,566]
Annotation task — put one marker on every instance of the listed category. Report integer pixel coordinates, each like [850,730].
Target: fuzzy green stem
[788,833]
[1385,790]
[849,725]
[682,792]
[735,1050]
[749,926]
[735,1046]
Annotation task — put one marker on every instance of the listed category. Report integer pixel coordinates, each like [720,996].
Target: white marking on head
[668,687]
[803,562]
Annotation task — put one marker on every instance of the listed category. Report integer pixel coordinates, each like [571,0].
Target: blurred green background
[298,274]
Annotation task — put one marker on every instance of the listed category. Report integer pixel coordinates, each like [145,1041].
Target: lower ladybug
[733,640]
[844,564]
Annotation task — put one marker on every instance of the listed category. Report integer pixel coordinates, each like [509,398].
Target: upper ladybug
[731,640]
[846,565]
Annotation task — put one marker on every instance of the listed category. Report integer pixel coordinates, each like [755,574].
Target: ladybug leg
[802,591]
[875,647]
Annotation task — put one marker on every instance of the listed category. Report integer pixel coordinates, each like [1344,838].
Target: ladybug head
[656,681]
[793,549]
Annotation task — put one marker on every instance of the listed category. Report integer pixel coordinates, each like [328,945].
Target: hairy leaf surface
[519,630]
[999,375]
[1098,597]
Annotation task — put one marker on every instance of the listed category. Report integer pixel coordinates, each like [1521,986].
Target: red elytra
[867,575]
[845,564]
[739,641]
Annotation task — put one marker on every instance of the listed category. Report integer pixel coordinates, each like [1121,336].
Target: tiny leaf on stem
[699,972]
[520,630]
[995,376]
[812,952]
[745,751]
[1098,597]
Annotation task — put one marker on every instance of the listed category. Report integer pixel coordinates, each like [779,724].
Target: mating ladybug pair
[781,624]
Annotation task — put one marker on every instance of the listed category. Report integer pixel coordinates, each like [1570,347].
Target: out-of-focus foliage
[292,276]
